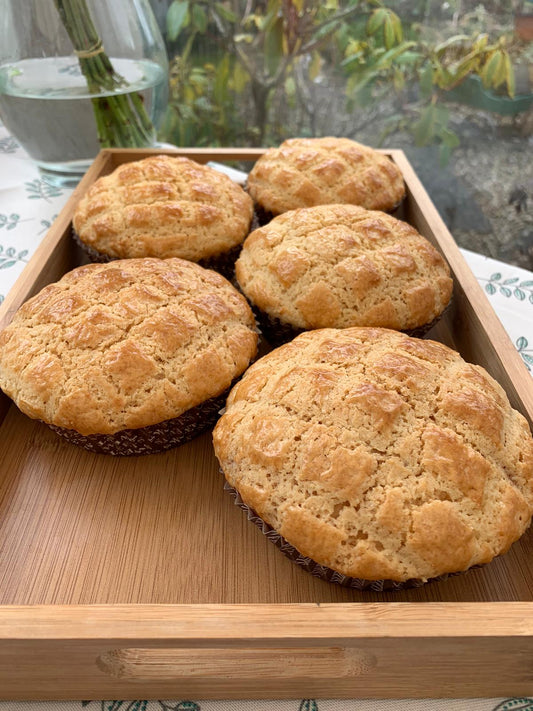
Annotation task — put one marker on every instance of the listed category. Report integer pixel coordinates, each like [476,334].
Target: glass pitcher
[78,75]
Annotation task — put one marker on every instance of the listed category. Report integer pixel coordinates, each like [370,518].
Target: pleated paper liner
[153,438]
[277,332]
[262,217]
[321,571]
[223,263]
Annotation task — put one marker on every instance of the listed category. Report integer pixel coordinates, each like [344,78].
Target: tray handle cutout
[145,664]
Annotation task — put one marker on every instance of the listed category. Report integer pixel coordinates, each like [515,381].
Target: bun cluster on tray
[371,457]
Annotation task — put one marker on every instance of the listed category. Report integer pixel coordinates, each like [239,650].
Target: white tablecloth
[29,203]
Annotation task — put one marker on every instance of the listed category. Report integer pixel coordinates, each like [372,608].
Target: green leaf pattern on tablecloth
[526,353]
[142,705]
[515,705]
[521,290]
[9,257]
[9,221]
[511,704]
[8,145]
[304,705]
[46,224]
[42,189]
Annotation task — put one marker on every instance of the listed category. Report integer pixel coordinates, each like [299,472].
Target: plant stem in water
[121,119]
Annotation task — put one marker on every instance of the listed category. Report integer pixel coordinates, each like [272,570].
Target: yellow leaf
[490,68]
[398,80]
[240,77]
[509,76]
[388,32]
[315,66]
[501,72]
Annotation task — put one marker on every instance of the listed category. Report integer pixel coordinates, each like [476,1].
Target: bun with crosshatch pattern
[377,459]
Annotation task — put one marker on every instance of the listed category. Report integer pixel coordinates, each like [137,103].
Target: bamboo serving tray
[136,578]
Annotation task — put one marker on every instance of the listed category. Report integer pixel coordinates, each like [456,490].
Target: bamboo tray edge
[344,650]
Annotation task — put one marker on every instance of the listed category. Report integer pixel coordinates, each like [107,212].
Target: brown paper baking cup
[321,571]
[277,332]
[262,217]
[422,331]
[223,263]
[153,438]
[93,254]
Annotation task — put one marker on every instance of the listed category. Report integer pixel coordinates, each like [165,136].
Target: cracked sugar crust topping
[126,344]
[379,455]
[164,206]
[304,172]
[342,265]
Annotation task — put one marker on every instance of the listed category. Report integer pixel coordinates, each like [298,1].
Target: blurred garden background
[448,81]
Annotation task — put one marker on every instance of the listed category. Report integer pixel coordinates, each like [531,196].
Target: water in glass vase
[46,105]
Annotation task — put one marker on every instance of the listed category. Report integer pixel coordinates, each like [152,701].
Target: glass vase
[80,75]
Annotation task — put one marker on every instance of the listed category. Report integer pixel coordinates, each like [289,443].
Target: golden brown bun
[304,172]
[163,206]
[342,265]
[378,455]
[126,344]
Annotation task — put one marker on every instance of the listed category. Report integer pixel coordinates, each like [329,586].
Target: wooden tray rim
[227,624]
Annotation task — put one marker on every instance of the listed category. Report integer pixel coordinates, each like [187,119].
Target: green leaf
[387,58]
[520,295]
[273,47]
[440,48]
[324,31]
[442,115]
[199,18]
[496,277]
[424,128]
[426,80]
[505,291]
[521,343]
[491,68]
[388,33]
[375,21]
[409,58]
[510,281]
[220,86]
[450,139]
[509,78]
[265,22]
[225,12]
[6,265]
[397,25]
[490,288]
[526,283]
[177,17]
[444,154]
